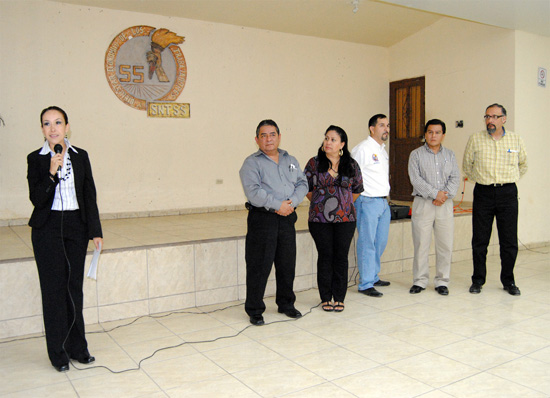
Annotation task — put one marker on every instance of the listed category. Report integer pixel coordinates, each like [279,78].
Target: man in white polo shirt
[373,211]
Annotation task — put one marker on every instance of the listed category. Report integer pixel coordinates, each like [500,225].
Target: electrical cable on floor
[531,250]
[191,342]
[167,347]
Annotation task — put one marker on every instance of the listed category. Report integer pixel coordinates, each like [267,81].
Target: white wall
[532,108]
[54,53]
[469,66]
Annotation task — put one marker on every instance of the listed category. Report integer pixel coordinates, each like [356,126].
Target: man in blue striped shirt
[434,175]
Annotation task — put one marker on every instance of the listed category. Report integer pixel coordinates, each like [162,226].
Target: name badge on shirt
[291,167]
[375,158]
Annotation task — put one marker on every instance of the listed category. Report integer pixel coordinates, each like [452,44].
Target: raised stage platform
[157,264]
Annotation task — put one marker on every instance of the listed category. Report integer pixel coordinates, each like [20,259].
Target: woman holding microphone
[64,219]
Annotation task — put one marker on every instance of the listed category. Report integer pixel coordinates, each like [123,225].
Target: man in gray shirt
[434,175]
[274,185]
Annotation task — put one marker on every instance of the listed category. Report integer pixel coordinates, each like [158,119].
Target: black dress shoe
[62,368]
[257,320]
[513,290]
[416,289]
[443,290]
[86,360]
[372,292]
[382,283]
[475,288]
[291,313]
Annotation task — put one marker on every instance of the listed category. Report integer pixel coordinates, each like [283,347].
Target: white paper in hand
[92,272]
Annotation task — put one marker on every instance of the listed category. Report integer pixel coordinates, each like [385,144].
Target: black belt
[262,209]
[377,197]
[498,185]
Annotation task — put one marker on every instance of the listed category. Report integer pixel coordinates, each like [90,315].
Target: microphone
[58,149]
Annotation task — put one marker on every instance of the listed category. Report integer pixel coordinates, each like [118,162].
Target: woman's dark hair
[345,168]
[54,108]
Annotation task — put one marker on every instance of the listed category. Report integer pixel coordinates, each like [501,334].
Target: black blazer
[42,189]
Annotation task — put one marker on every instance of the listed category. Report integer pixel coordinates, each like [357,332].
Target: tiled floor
[400,345]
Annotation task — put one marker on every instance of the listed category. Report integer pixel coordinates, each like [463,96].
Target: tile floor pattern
[401,345]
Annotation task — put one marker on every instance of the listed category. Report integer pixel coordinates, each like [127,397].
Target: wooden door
[406,132]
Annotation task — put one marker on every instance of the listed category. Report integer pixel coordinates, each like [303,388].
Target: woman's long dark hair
[345,168]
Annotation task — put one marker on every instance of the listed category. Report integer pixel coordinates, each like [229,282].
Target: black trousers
[270,239]
[58,277]
[332,241]
[490,202]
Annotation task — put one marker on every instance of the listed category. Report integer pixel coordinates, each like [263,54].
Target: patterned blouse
[332,199]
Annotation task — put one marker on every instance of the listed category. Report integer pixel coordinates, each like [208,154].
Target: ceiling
[375,22]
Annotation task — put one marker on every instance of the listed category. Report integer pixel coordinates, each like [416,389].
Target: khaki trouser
[426,218]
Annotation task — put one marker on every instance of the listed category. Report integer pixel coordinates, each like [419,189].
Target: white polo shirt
[375,167]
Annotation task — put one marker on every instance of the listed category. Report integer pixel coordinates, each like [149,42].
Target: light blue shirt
[267,184]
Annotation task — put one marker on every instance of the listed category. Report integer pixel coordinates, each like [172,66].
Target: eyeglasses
[487,117]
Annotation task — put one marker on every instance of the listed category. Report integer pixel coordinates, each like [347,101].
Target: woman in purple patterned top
[335,182]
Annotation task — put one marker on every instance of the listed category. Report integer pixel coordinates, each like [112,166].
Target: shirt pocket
[512,156]
[292,174]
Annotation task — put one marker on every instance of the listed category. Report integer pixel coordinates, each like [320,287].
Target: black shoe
[475,288]
[62,368]
[87,359]
[291,313]
[416,289]
[513,290]
[257,320]
[382,283]
[443,290]
[372,292]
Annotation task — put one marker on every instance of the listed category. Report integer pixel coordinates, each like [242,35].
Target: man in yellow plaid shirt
[495,160]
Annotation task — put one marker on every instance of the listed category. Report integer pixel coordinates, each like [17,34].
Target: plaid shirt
[487,161]
[431,172]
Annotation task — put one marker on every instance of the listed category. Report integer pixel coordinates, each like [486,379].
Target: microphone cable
[59,149]
[68,275]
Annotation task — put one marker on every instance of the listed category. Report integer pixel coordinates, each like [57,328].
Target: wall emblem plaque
[146,70]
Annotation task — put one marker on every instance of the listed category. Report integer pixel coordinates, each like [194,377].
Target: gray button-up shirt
[267,184]
[431,172]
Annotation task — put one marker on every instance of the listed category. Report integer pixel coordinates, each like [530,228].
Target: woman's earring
[341,153]
[322,148]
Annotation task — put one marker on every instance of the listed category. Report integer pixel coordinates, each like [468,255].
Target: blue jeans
[373,225]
